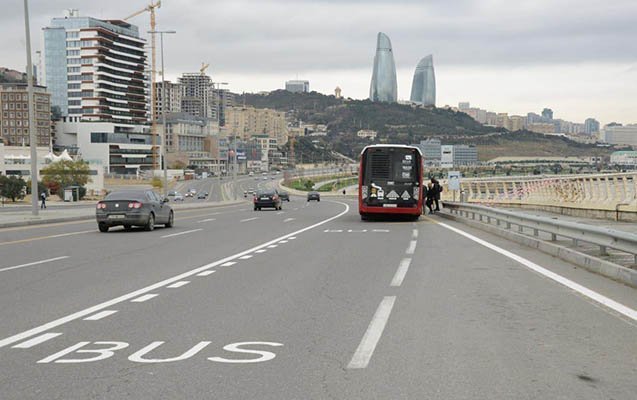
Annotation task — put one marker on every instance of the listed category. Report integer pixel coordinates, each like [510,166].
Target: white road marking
[249,219]
[100,315]
[414,234]
[279,213]
[296,209]
[283,241]
[333,230]
[33,263]
[366,348]
[357,230]
[289,219]
[292,238]
[228,264]
[246,257]
[178,284]
[272,246]
[36,340]
[206,273]
[181,233]
[401,272]
[599,298]
[412,247]
[135,294]
[380,230]
[207,220]
[261,251]
[144,298]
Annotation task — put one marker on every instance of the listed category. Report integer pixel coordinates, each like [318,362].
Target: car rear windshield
[128,195]
[265,193]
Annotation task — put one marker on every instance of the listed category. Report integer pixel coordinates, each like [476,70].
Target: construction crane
[153,91]
[203,68]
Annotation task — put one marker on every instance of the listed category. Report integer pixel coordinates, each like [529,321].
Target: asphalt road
[307,303]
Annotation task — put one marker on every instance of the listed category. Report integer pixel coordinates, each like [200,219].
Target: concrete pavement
[306,303]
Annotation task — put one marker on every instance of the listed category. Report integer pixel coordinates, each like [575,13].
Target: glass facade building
[423,87]
[384,87]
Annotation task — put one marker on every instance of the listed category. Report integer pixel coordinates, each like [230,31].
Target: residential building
[591,126]
[502,121]
[431,151]
[173,98]
[221,100]
[464,155]
[624,158]
[547,114]
[541,127]
[197,95]
[185,140]
[423,87]
[464,105]
[367,133]
[620,134]
[297,86]
[517,123]
[95,70]
[14,115]
[246,122]
[384,87]
[217,147]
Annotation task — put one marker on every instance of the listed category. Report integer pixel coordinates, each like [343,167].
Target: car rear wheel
[150,225]
[127,227]
[102,226]
[255,208]
[171,220]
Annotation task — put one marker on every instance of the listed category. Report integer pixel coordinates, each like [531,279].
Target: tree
[157,182]
[12,187]
[62,174]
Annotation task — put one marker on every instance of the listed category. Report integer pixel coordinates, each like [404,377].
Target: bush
[12,187]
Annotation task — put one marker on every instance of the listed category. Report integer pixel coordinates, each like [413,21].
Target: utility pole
[163,105]
[33,139]
[218,93]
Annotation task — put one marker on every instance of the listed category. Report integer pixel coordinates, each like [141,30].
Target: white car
[178,197]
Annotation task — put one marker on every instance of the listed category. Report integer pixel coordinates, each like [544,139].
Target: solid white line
[178,284]
[249,219]
[207,220]
[401,272]
[412,247]
[132,295]
[33,263]
[246,257]
[612,304]
[36,340]
[366,348]
[228,264]
[144,298]
[100,315]
[206,273]
[181,233]
[414,234]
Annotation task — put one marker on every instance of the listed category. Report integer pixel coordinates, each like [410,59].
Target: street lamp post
[32,128]
[163,102]
[218,88]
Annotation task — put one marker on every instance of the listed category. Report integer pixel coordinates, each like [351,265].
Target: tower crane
[153,90]
[203,68]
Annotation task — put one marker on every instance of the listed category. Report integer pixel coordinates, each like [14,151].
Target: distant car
[285,196]
[265,178]
[192,190]
[178,197]
[188,194]
[267,198]
[251,191]
[202,195]
[245,193]
[313,196]
[133,208]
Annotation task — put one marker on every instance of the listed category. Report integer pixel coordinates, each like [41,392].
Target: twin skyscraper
[384,87]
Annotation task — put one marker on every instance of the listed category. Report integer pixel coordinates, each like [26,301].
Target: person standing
[43,197]
[429,199]
[437,189]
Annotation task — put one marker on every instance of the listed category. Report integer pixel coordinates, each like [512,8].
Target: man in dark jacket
[437,189]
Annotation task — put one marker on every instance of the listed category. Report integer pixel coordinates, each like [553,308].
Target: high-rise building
[384,86]
[221,100]
[547,114]
[297,86]
[197,94]
[173,98]
[431,151]
[591,126]
[423,87]
[14,114]
[246,122]
[95,70]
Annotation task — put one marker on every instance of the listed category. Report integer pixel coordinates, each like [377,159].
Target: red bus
[390,181]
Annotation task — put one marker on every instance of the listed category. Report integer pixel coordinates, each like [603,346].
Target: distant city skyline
[576,61]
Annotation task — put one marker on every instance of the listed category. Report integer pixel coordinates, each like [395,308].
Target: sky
[577,57]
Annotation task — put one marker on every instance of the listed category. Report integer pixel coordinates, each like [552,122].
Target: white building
[624,158]
[620,134]
[297,86]
[446,156]
[367,133]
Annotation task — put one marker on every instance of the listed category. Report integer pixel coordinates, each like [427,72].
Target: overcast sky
[578,57]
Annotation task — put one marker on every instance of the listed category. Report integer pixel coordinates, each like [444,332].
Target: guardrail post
[602,251]
[480,217]
[473,215]
[508,225]
[497,221]
[536,232]
[488,220]
[520,229]
[575,241]
[553,237]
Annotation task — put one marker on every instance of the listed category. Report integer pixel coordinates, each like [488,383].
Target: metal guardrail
[605,238]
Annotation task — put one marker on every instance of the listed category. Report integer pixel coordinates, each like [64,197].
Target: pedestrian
[343,192]
[425,191]
[437,189]
[429,199]
[43,197]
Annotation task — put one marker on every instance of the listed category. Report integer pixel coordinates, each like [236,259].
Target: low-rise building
[620,134]
[624,158]
[14,115]
[541,127]
[367,133]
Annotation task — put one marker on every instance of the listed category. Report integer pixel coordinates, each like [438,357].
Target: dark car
[313,196]
[133,208]
[267,198]
[202,195]
[285,196]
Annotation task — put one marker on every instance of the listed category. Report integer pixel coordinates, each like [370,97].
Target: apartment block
[14,117]
[246,122]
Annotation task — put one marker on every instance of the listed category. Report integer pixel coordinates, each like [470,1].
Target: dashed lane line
[228,264]
[100,315]
[412,247]
[36,340]
[288,219]
[178,284]
[33,239]
[414,234]
[401,272]
[206,273]
[249,219]
[366,348]
[143,292]
[34,263]
[144,298]
[246,257]
[207,220]
[181,233]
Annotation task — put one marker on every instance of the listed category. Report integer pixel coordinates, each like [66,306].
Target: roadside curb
[593,264]
[92,215]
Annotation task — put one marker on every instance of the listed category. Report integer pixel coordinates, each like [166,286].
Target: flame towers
[423,87]
[384,87]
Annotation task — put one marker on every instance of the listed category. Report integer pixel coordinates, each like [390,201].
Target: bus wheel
[364,217]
